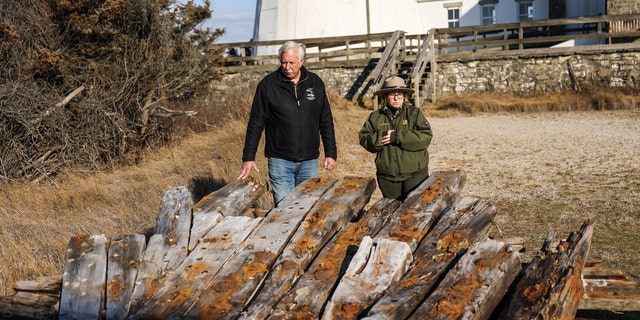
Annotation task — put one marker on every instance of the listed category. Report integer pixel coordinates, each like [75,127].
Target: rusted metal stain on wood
[574,291]
[351,237]
[174,301]
[353,184]
[312,184]
[430,194]
[151,287]
[116,289]
[537,291]
[451,244]
[405,230]
[349,310]
[222,301]
[284,268]
[453,303]
[79,242]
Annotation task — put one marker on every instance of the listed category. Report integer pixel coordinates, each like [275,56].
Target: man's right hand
[246,169]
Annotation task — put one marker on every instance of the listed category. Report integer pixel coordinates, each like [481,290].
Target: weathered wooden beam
[125,251]
[150,270]
[174,223]
[46,284]
[551,287]
[422,207]
[167,248]
[333,211]
[239,277]
[84,278]
[458,228]
[34,299]
[196,273]
[231,200]
[476,284]
[373,269]
[306,299]
[608,289]
[11,308]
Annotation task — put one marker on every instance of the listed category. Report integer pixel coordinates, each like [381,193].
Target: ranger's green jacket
[407,154]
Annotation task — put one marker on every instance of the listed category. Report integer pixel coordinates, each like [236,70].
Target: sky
[236,16]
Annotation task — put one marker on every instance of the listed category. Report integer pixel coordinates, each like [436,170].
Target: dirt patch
[550,172]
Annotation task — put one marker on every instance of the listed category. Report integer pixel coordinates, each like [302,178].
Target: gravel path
[552,171]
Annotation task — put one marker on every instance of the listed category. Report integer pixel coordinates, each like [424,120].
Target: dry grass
[39,219]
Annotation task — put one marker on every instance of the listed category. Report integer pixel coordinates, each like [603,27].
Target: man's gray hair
[291,45]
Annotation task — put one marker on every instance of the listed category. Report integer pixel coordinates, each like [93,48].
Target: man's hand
[246,169]
[329,163]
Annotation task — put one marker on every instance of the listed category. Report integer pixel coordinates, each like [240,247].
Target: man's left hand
[329,163]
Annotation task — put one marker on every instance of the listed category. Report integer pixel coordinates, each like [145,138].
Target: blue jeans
[286,175]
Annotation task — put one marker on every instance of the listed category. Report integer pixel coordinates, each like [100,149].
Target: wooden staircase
[417,69]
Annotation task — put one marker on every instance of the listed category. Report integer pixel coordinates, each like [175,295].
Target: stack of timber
[320,255]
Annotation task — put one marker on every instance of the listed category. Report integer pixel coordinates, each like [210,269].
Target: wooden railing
[329,51]
[385,53]
[536,34]
[426,56]
[387,63]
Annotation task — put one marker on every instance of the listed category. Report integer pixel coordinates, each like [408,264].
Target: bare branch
[168,113]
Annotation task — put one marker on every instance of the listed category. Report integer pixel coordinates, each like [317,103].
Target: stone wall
[535,75]
[515,74]
[623,7]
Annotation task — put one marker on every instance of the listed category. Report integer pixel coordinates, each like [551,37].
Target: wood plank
[307,298]
[239,278]
[169,220]
[422,207]
[48,284]
[32,298]
[373,269]
[174,222]
[231,200]
[84,278]
[608,289]
[476,284]
[551,287]
[458,228]
[10,309]
[150,270]
[332,212]
[167,248]
[125,251]
[198,270]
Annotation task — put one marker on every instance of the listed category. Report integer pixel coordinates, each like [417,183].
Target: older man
[291,106]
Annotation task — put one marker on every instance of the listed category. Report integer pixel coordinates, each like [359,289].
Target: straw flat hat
[393,83]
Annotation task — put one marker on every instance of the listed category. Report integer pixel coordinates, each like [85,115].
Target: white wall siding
[295,19]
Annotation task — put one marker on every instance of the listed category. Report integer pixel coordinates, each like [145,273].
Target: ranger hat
[393,83]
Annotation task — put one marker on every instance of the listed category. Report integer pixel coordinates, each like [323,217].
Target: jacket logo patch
[405,122]
[309,94]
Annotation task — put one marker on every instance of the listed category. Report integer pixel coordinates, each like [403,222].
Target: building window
[489,14]
[525,10]
[453,17]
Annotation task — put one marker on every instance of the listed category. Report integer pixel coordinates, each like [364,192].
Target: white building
[297,19]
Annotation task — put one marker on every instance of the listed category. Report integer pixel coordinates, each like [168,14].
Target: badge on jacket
[309,94]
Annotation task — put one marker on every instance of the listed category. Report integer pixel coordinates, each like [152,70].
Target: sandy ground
[576,166]
[550,172]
